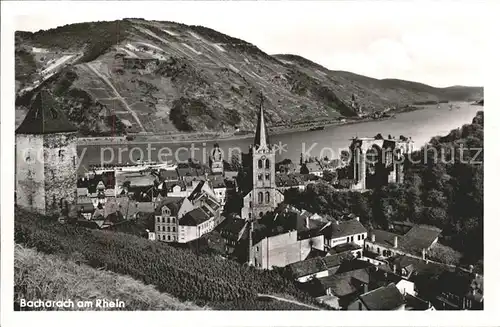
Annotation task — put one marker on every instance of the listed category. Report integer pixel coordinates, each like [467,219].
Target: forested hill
[135,75]
[445,191]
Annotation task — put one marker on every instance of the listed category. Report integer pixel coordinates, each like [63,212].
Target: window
[61,153]
[267,163]
[257,248]
[162,220]
[158,228]
[249,215]
[163,228]
[168,220]
[259,177]
[158,219]
[378,250]
[168,229]
[250,204]
[173,229]
[260,164]
[267,177]
[268,197]
[163,237]
[359,237]
[261,197]
[363,236]
[168,237]
[173,220]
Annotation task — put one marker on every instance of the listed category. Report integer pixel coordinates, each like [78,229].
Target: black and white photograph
[246,156]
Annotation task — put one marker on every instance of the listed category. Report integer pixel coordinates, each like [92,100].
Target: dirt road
[118,96]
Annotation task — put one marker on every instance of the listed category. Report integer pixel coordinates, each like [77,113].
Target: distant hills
[135,75]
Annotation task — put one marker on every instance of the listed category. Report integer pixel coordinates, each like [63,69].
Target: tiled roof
[232,227]
[313,166]
[169,175]
[307,267]
[344,228]
[383,237]
[417,238]
[315,265]
[419,265]
[169,185]
[173,204]
[346,283]
[217,181]
[346,247]
[45,117]
[194,217]
[383,298]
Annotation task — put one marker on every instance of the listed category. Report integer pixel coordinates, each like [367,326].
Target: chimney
[307,222]
[395,241]
[365,288]
[423,254]
[373,237]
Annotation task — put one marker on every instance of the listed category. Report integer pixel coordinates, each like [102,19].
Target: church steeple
[261,135]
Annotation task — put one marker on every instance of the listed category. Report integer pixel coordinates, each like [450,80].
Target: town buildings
[184,219]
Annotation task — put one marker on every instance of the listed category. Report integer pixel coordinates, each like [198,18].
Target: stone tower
[46,159]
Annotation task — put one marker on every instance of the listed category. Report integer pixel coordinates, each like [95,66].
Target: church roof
[261,134]
[45,117]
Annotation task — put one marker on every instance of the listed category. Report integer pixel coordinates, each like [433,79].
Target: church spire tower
[261,134]
[264,197]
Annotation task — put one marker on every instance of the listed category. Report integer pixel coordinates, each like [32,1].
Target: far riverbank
[220,136]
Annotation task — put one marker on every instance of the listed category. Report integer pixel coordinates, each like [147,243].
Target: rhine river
[420,125]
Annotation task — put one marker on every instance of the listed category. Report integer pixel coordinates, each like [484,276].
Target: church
[264,196]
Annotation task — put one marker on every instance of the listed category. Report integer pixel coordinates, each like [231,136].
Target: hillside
[135,75]
[49,277]
[201,279]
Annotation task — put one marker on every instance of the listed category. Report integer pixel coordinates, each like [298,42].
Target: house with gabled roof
[345,231]
[383,298]
[167,214]
[416,242]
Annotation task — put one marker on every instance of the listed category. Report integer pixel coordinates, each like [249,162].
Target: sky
[440,43]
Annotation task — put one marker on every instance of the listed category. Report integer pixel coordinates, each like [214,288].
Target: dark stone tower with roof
[46,159]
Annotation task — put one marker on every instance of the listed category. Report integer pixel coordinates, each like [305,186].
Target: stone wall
[284,249]
[30,178]
[60,171]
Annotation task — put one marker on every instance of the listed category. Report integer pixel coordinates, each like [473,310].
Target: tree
[329,176]
[304,170]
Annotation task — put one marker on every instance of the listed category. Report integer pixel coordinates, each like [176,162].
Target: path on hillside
[287,300]
[118,96]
